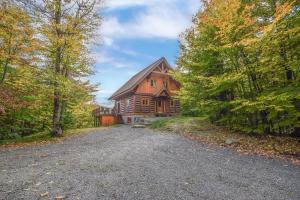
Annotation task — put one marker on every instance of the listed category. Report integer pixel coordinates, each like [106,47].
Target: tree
[66,27]
[44,58]
[17,57]
[17,44]
[239,65]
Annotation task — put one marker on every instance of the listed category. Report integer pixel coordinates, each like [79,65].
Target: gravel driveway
[125,163]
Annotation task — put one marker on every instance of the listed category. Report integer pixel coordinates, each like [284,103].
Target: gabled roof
[139,77]
[161,91]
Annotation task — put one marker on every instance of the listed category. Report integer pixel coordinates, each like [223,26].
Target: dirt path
[124,163]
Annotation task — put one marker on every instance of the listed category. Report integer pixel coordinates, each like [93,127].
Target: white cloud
[111,26]
[132,73]
[104,59]
[108,92]
[158,19]
[193,5]
[115,4]
[108,41]
[130,52]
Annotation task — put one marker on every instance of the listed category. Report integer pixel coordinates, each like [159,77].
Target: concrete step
[138,126]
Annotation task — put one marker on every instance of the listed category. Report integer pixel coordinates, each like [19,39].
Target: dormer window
[153,83]
[165,83]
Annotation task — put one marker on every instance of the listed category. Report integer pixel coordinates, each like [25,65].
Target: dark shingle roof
[135,80]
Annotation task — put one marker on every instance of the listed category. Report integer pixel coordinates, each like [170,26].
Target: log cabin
[149,93]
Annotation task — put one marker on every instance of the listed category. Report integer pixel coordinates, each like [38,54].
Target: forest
[44,59]
[239,65]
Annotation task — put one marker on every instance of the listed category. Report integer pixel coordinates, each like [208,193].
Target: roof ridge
[135,78]
[149,66]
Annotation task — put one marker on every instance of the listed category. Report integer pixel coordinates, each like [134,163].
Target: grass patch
[182,124]
[200,129]
[27,139]
[46,137]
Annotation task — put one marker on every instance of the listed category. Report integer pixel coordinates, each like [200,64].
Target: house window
[118,107]
[153,83]
[172,103]
[145,101]
[127,102]
[165,83]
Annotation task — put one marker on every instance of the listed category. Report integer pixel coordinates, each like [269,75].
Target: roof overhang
[151,67]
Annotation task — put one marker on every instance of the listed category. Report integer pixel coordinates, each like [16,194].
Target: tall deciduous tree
[65,27]
[239,65]
[43,57]
[16,38]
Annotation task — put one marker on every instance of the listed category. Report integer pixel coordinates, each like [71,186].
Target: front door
[160,106]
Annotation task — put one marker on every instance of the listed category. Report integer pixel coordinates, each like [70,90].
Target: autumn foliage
[43,59]
[240,65]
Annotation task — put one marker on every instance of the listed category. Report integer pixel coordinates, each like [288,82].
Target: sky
[134,34]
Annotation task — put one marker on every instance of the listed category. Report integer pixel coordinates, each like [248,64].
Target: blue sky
[135,33]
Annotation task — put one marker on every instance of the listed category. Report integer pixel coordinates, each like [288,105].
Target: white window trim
[127,102]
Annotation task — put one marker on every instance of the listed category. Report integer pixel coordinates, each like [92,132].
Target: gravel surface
[125,163]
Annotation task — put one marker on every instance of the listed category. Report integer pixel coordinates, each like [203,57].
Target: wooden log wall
[135,105]
[126,108]
[139,108]
[175,108]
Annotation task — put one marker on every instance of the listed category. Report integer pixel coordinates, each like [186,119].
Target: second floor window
[153,83]
[165,84]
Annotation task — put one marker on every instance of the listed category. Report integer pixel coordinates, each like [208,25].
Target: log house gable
[149,80]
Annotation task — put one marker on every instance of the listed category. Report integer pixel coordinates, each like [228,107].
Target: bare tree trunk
[56,129]
[288,71]
[6,63]
[4,72]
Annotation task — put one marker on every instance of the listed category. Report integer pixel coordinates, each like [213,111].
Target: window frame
[165,83]
[146,100]
[172,102]
[127,102]
[118,107]
[153,83]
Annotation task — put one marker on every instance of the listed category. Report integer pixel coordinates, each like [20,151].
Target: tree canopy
[239,65]
[44,58]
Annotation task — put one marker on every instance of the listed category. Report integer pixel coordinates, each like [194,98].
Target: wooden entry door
[160,106]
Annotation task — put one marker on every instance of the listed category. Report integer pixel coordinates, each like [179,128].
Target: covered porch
[164,104]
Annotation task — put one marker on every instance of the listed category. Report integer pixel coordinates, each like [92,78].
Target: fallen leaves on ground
[282,147]
[44,194]
[52,140]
